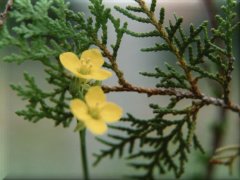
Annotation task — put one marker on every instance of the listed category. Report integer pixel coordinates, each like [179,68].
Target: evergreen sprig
[41,33]
[44,29]
[161,149]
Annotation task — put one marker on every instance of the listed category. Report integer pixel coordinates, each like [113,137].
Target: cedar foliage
[44,29]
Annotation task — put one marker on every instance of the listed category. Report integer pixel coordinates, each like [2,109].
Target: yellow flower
[95,112]
[87,67]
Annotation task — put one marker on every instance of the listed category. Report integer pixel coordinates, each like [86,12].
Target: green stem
[82,135]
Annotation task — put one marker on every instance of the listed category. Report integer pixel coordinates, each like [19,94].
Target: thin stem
[120,75]
[82,135]
[173,92]
[174,49]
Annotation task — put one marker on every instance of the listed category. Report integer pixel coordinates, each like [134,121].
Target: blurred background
[40,150]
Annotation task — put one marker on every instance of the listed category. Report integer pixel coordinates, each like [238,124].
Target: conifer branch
[114,65]
[173,48]
[176,93]
[60,30]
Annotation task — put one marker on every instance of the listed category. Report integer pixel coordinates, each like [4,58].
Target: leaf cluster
[193,50]
[167,139]
[44,29]
[41,32]
[164,144]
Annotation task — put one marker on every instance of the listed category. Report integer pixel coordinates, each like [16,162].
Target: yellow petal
[79,109]
[95,75]
[111,112]
[87,76]
[94,96]
[96,127]
[70,61]
[100,74]
[95,57]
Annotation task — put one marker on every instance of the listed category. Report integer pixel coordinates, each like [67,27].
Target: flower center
[94,112]
[85,67]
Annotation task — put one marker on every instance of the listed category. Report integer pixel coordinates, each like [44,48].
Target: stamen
[95,112]
[86,66]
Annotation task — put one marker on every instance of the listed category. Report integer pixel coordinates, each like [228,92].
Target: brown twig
[174,49]
[121,80]
[3,15]
[173,92]
[195,93]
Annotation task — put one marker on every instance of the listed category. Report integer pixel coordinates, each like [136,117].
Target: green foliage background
[42,31]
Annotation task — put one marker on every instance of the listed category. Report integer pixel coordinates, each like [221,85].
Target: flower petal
[111,112]
[100,74]
[79,109]
[94,96]
[95,57]
[96,127]
[70,61]
[86,76]
[96,74]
